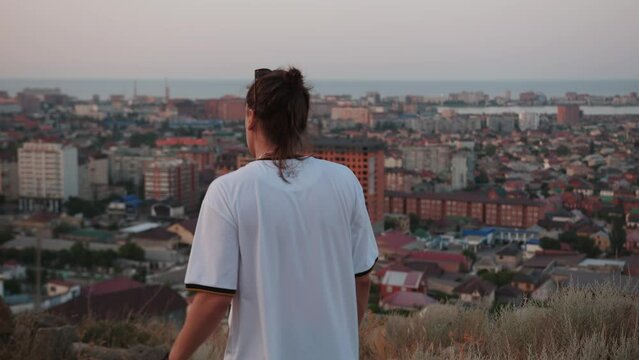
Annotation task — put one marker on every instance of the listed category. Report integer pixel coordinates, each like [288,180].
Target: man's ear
[252,120]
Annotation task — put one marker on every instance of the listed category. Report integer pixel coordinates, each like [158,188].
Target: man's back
[289,252]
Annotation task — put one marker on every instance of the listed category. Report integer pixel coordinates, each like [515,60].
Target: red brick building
[487,208]
[366,158]
[568,114]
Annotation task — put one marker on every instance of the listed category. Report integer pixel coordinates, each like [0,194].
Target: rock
[52,343]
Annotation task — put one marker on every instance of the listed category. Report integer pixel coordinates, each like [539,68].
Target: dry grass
[599,322]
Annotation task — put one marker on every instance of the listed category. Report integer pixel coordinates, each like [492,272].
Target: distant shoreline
[210,88]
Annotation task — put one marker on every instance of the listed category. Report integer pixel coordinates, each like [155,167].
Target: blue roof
[479,232]
[533,242]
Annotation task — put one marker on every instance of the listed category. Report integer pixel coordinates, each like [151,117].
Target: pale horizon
[328,40]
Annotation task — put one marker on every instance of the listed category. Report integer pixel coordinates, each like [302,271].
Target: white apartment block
[48,175]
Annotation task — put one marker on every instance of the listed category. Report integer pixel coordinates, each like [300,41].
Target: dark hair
[280,101]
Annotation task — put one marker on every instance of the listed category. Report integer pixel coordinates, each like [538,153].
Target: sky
[327,39]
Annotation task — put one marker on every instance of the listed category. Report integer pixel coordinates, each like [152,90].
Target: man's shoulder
[335,169]
[234,178]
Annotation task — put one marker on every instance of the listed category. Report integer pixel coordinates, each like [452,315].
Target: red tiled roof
[478,284]
[394,240]
[438,256]
[145,301]
[112,285]
[408,299]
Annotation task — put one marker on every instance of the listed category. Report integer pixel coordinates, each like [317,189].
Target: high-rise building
[568,114]
[501,123]
[48,175]
[172,179]
[434,157]
[360,115]
[528,121]
[462,170]
[365,157]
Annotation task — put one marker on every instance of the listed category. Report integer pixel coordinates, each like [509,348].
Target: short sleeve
[365,251]
[214,260]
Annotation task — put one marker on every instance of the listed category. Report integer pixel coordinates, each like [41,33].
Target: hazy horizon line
[319,78]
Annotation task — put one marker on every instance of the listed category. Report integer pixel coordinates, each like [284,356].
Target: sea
[211,88]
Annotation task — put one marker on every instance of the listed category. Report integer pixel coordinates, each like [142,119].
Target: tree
[617,237]
[389,224]
[582,244]
[138,139]
[490,150]
[131,251]
[414,222]
[6,234]
[563,150]
[482,178]
[501,278]
[470,255]
[81,255]
[547,243]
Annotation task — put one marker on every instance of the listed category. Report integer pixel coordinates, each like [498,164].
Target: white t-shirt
[288,254]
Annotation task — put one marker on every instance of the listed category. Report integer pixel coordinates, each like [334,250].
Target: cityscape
[496,144]
[100,197]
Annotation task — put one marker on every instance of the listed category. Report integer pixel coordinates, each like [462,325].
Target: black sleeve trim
[367,271]
[210,289]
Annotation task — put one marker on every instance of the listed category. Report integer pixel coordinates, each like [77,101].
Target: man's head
[277,105]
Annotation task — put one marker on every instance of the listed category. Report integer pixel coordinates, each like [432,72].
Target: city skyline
[355,40]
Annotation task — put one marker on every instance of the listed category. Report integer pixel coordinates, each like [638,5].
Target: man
[285,240]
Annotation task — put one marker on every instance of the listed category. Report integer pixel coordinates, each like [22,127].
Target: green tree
[617,237]
[81,255]
[582,244]
[491,150]
[470,255]
[6,234]
[563,150]
[482,178]
[501,278]
[547,243]
[389,224]
[138,139]
[131,251]
[414,222]
[62,228]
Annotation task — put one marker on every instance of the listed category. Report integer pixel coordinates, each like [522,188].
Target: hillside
[599,322]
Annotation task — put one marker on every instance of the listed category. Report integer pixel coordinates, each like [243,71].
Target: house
[601,239]
[393,244]
[544,258]
[444,284]
[156,238]
[406,300]
[184,230]
[148,301]
[476,290]
[632,241]
[603,265]
[508,257]
[398,280]
[528,280]
[477,238]
[447,261]
[56,287]
[486,263]
[12,269]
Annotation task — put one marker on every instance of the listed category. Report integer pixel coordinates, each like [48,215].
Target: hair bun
[294,76]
